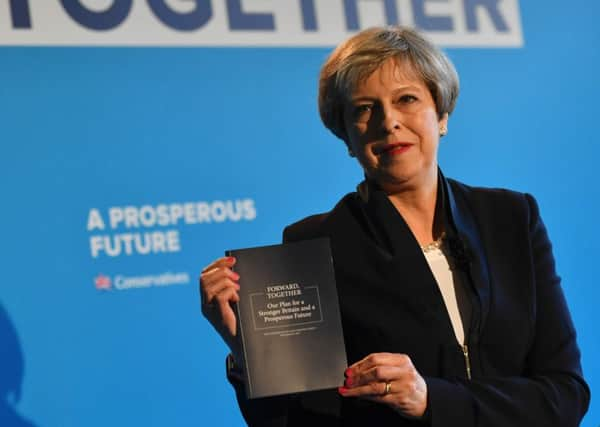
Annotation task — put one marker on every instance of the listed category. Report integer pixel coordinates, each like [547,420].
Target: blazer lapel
[467,248]
[406,260]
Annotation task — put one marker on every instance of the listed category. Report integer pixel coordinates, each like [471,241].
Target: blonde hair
[358,57]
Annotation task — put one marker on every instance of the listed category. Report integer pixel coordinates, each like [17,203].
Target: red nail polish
[235,276]
[230,259]
[348,372]
[348,382]
[342,390]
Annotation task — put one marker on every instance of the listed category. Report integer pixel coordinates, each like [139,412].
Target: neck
[417,205]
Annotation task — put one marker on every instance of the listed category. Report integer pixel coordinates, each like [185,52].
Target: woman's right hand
[218,290]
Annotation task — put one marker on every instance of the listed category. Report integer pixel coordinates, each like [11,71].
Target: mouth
[393,148]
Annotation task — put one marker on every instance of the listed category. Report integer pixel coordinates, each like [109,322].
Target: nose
[391,120]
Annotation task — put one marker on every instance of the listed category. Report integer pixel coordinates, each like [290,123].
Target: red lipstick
[395,148]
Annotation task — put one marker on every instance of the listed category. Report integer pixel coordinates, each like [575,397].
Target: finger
[212,281]
[220,304]
[383,374]
[224,300]
[228,318]
[408,384]
[222,316]
[227,261]
[212,276]
[378,390]
[366,390]
[215,290]
[378,359]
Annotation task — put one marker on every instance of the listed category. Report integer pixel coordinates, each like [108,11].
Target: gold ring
[388,387]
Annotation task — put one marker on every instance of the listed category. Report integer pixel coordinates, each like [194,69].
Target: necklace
[436,244]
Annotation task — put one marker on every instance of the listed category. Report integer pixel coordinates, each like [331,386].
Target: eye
[363,108]
[407,99]
[361,111]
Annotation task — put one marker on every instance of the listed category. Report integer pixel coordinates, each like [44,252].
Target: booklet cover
[289,318]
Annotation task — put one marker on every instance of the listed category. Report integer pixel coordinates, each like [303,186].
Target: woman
[452,311]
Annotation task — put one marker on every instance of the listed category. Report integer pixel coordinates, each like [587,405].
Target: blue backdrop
[228,141]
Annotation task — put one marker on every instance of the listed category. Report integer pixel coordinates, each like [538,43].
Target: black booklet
[289,318]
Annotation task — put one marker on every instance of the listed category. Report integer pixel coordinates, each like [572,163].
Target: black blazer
[523,354]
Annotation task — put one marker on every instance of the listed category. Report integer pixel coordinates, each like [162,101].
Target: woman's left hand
[387,378]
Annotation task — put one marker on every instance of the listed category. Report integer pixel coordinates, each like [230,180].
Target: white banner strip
[451,23]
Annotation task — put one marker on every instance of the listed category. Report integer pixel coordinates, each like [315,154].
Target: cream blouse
[451,285]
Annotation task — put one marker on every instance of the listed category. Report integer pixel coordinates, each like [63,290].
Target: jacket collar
[466,245]
[464,240]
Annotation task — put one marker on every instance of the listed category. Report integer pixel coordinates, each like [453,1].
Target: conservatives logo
[122,282]
[103,283]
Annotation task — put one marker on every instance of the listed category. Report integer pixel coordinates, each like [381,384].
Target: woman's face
[393,127]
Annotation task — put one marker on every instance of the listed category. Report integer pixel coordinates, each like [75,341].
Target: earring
[443,131]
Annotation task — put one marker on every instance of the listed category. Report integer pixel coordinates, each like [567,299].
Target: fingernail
[348,372]
[342,390]
[230,259]
[235,276]
[348,382]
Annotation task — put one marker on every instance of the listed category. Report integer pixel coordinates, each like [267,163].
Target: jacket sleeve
[264,412]
[551,391]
